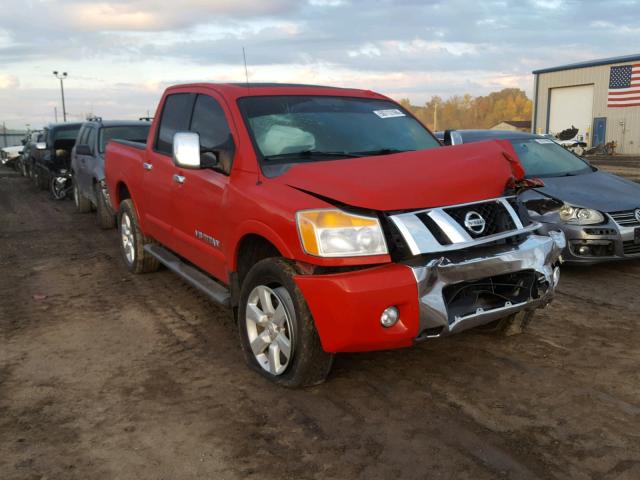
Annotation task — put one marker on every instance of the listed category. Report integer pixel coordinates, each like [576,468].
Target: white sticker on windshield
[544,140]
[390,113]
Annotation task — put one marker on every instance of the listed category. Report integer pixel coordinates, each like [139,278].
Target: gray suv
[87,164]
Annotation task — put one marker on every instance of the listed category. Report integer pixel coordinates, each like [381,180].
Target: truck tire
[132,241]
[104,216]
[83,205]
[277,332]
[514,324]
[34,178]
[40,179]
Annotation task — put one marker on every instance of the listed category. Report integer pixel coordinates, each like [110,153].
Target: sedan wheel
[269,329]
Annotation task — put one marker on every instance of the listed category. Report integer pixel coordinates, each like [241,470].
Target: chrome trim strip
[420,240]
[449,226]
[512,212]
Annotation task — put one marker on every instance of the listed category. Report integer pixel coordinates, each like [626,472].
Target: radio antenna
[246,72]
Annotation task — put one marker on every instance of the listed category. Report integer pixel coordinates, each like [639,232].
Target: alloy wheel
[126,237]
[269,329]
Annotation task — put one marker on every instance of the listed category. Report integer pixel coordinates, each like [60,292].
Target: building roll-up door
[571,106]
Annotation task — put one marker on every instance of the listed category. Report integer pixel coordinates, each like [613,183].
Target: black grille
[631,248]
[495,215]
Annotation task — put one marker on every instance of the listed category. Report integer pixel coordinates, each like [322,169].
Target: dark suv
[52,152]
[87,163]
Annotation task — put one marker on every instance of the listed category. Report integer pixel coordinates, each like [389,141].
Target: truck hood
[598,190]
[409,180]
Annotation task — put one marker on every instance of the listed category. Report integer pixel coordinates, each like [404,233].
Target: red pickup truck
[329,219]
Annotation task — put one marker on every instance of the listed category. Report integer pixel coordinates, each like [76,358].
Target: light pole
[61,77]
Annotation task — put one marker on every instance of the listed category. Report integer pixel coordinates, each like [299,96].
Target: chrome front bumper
[540,254]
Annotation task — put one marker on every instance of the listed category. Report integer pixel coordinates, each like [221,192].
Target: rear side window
[176,116]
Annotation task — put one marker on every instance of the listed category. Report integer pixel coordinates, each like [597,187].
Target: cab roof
[238,90]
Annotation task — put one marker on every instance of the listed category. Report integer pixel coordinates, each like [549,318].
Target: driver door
[199,195]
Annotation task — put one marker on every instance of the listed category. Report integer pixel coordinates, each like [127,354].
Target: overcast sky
[121,54]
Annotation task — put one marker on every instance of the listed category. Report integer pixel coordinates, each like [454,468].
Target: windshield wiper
[311,154]
[382,151]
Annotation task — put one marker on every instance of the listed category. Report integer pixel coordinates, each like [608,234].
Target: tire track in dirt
[141,377]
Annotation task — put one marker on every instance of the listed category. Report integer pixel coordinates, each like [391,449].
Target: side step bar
[194,277]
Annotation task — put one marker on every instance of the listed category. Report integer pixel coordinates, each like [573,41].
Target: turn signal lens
[334,233]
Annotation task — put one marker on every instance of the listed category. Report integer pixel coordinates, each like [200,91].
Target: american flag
[624,86]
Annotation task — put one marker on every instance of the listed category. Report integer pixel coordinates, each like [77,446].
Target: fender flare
[254,227]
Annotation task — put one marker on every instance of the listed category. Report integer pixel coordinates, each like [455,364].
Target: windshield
[292,129]
[542,157]
[134,133]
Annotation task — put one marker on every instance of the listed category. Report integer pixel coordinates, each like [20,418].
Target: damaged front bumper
[458,295]
[347,306]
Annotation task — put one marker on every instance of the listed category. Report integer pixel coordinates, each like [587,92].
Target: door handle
[147,166]
[179,178]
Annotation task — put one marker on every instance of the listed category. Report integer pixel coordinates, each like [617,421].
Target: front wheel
[277,332]
[24,168]
[39,179]
[82,203]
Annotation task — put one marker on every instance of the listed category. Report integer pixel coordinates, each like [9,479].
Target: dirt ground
[105,375]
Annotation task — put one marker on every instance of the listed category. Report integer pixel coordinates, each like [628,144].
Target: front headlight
[334,233]
[580,216]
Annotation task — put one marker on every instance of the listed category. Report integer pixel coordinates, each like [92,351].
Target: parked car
[330,219]
[27,158]
[598,212]
[53,152]
[87,164]
[9,155]
[22,162]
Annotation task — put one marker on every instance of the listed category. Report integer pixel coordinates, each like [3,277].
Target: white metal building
[601,98]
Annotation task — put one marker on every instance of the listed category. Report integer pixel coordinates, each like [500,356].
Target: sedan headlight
[580,216]
[334,233]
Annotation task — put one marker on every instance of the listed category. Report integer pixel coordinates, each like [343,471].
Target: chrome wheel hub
[126,237]
[269,329]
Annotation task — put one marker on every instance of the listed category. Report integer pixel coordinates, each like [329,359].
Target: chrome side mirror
[186,150]
[456,138]
[41,146]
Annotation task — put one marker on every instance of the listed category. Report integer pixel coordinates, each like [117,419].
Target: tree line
[466,111]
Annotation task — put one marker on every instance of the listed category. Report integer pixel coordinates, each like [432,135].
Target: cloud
[158,15]
[409,48]
[8,82]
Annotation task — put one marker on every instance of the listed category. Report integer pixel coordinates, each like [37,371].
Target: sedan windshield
[134,133]
[542,157]
[293,129]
